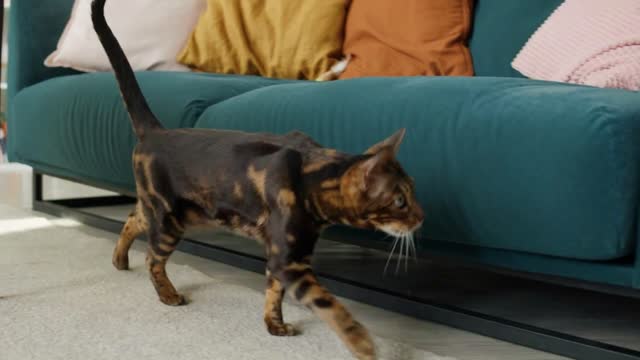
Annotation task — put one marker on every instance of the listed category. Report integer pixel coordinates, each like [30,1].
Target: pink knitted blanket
[590,42]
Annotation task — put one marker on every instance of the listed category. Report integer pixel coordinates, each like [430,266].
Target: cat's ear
[367,169]
[391,143]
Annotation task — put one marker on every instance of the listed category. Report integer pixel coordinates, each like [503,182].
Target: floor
[442,340]
[436,338]
[430,336]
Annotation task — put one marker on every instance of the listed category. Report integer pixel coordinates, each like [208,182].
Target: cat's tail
[141,116]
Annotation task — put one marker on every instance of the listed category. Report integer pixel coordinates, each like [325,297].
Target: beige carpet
[60,298]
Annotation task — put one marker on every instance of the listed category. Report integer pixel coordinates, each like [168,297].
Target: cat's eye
[399,202]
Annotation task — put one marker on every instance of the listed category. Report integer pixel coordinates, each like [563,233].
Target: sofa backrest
[34,29]
[501,28]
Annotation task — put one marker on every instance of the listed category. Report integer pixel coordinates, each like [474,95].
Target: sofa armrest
[34,29]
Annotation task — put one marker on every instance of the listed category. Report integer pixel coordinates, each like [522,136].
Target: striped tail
[141,116]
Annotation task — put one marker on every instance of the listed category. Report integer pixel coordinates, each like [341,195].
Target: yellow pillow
[290,39]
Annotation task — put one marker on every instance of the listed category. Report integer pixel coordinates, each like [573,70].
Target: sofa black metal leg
[37,187]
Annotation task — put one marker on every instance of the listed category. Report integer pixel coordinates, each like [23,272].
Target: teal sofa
[531,176]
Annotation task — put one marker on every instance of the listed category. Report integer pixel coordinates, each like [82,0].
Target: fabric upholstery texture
[415,37]
[78,124]
[499,162]
[554,166]
[33,33]
[277,38]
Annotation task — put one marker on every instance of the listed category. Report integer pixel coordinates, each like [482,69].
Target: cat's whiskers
[413,247]
[393,248]
[400,253]
[406,259]
[407,247]
[403,251]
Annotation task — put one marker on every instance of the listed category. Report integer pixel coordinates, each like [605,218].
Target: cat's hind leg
[273,309]
[164,236]
[135,225]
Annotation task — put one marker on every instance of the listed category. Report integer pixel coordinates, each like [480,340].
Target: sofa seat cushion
[506,163]
[77,125]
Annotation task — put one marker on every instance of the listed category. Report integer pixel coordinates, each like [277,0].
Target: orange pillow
[408,37]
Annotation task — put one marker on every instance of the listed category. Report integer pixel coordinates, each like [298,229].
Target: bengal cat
[279,189]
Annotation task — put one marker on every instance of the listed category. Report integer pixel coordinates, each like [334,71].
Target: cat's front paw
[367,354]
[282,330]
[173,300]
[120,262]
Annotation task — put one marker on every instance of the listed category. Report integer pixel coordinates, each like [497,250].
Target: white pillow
[151,32]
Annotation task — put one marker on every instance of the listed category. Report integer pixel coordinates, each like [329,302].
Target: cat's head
[379,194]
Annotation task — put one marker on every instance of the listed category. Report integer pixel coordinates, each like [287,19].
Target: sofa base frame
[476,322]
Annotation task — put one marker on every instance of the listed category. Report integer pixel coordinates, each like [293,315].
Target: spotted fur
[279,189]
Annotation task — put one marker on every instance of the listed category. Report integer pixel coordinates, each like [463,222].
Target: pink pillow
[151,32]
[589,42]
